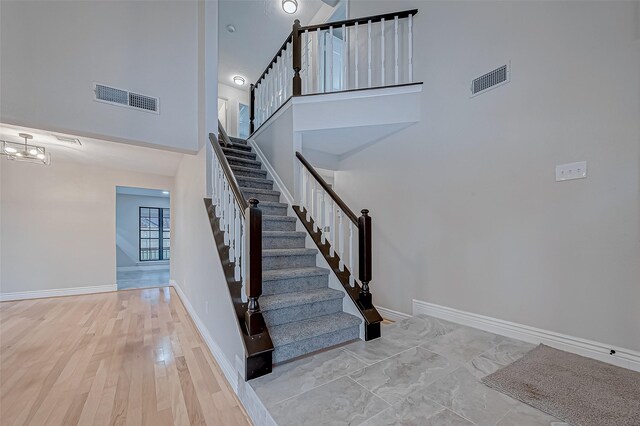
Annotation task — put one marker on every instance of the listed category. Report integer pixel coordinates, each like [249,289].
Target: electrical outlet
[571,171]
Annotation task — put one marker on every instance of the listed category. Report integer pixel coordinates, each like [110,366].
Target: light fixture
[24,152]
[238,80]
[290,6]
[165,192]
[231,28]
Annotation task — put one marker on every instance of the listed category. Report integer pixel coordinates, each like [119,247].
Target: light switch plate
[571,171]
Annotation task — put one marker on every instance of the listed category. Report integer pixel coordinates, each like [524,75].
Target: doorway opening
[143,237]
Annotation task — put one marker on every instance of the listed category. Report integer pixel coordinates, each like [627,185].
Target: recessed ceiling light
[290,6]
[238,80]
[165,192]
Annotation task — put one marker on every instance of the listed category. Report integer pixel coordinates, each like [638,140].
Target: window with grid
[155,237]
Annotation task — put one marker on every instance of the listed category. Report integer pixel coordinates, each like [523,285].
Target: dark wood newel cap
[364,212]
[253,202]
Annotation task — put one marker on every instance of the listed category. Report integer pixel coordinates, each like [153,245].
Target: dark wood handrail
[275,58]
[235,188]
[364,20]
[351,215]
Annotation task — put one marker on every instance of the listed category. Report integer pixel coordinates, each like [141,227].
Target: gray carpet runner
[302,313]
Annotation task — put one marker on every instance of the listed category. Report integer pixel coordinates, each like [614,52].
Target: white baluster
[223,219]
[243,255]
[320,55]
[314,205]
[309,199]
[303,186]
[369,54]
[356,58]
[330,56]
[306,65]
[351,253]
[395,49]
[286,72]
[232,227]
[323,207]
[410,48]
[345,59]
[332,227]
[237,245]
[340,239]
[382,50]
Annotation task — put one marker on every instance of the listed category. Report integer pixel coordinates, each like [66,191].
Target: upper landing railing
[374,51]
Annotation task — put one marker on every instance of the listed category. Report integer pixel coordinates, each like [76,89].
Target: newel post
[364,252]
[252,108]
[297,58]
[253,257]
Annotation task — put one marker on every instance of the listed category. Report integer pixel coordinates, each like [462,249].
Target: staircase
[301,312]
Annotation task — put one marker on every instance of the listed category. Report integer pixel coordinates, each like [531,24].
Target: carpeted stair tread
[289,252]
[284,300]
[254,192]
[254,183]
[238,153]
[244,162]
[244,171]
[279,274]
[312,327]
[283,234]
[238,141]
[239,147]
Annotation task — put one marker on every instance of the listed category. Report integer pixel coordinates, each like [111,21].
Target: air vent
[490,80]
[125,98]
[68,140]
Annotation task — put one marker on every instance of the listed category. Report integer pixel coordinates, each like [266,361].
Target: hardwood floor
[129,358]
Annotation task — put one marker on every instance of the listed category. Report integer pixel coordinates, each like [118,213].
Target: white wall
[466,212]
[195,263]
[58,224]
[53,51]
[127,226]
[234,98]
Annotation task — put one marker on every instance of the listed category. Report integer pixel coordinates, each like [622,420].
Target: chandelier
[24,151]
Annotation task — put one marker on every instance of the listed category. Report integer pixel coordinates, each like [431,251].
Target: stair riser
[273,211]
[254,184]
[282,242]
[296,349]
[235,162]
[260,196]
[286,262]
[250,173]
[276,225]
[293,285]
[301,312]
[239,153]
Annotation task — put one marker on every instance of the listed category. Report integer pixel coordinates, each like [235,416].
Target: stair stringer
[285,197]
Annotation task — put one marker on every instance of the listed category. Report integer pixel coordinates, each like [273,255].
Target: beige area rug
[581,391]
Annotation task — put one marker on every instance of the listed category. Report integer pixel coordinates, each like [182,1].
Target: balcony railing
[362,53]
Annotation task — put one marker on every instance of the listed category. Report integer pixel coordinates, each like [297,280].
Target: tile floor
[142,279]
[423,371]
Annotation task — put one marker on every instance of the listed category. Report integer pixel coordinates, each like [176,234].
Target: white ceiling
[99,153]
[261,27]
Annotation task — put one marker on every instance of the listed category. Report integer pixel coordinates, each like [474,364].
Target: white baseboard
[626,358]
[392,315]
[271,171]
[57,292]
[226,366]
[150,267]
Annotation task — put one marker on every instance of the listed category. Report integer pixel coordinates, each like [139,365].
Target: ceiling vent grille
[114,96]
[68,140]
[490,80]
